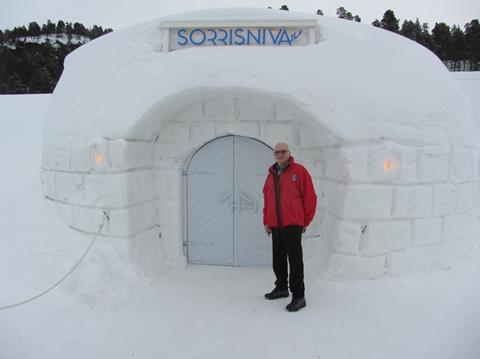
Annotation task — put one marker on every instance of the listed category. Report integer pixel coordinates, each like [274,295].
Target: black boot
[296,304]
[277,293]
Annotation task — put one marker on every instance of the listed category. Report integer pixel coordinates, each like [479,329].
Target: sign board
[182,36]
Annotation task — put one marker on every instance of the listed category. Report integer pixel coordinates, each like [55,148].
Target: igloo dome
[168,127]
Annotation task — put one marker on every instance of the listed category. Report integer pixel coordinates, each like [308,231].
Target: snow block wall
[395,163]
[418,215]
[141,182]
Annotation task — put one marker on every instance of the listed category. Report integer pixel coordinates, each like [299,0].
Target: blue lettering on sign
[296,35]
[181,35]
[203,37]
[284,38]
[213,36]
[237,36]
[274,38]
[225,35]
[252,35]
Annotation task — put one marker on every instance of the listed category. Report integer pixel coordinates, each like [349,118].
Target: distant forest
[458,48]
[31,57]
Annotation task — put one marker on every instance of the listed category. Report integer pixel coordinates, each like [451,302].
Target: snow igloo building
[168,127]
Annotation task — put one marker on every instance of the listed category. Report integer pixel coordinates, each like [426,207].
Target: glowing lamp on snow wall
[388,166]
[99,159]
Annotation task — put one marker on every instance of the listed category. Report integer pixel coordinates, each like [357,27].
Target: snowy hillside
[105,310]
[53,39]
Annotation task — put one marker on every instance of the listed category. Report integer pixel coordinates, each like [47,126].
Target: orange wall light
[388,165]
[99,158]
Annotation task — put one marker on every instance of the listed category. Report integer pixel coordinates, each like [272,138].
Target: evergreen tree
[7,35]
[21,31]
[442,40]
[342,13]
[49,28]
[458,44]
[79,29]
[96,31]
[376,23]
[408,30]
[41,81]
[34,29]
[15,85]
[284,7]
[68,28]
[319,12]
[418,31]
[472,43]
[427,37]
[389,21]
[60,28]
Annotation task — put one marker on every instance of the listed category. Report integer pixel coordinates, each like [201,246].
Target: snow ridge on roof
[238,14]
[360,82]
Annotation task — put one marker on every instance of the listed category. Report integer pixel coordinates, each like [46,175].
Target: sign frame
[166,27]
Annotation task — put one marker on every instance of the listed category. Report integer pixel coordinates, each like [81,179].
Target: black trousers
[287,246]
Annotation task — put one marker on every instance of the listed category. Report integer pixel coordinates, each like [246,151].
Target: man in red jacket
[289,206]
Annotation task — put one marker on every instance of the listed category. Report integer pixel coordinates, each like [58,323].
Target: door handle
[251,205]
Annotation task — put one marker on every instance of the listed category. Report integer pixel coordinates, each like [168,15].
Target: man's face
[281,153]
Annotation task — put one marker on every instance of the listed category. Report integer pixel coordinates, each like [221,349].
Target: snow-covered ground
[107,310]
[470,84]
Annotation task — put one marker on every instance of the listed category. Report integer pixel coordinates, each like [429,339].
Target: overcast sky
[121,13]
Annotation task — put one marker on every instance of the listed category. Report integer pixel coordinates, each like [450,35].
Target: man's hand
[268,230]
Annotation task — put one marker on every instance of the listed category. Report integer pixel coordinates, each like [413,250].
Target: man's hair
[282,143]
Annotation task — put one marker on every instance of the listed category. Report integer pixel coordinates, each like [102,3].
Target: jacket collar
[273,168]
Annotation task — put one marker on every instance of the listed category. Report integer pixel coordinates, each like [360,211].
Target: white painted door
[225,201]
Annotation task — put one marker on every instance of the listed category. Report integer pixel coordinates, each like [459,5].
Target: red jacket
[298,200]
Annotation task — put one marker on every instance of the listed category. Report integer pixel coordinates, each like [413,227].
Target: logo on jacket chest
[294,178]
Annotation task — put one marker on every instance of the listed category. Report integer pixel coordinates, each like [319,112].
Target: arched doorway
[224,203]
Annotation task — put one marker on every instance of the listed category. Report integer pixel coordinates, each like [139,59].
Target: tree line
[453,45]
[60,28]
[31,57]
[450,44]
